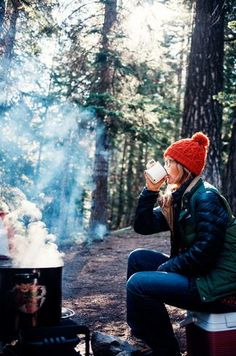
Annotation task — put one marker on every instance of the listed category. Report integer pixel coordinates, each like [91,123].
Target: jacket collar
[194,185]
[191,189]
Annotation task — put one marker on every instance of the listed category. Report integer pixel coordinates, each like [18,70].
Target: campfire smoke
[29,243]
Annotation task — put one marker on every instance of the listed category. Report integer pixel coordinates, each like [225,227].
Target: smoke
[28,242]
[50,159]
[100,231]
[65,175]
[47,151]
[52,169]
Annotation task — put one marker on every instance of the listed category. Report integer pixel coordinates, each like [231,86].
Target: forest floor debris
[94,279]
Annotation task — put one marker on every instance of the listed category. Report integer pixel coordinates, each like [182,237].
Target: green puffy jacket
[203,239]
[220,281]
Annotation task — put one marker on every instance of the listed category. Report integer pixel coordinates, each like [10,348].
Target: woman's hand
[154,187]
[151,186]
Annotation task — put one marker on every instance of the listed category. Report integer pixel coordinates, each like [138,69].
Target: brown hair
[183,176]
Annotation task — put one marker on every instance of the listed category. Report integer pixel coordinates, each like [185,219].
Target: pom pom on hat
[190,152]
[201,139]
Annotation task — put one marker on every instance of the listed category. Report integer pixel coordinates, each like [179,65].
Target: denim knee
[133,283]
[133,263]
[134,255]
[143,259]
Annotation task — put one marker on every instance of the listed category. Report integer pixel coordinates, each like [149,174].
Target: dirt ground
[94,278]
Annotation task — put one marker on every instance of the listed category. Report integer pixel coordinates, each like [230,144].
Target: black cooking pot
[29,297]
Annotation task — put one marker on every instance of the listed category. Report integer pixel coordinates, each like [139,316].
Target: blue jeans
[148,290]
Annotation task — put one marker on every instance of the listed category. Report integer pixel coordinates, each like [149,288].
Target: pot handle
[28,275]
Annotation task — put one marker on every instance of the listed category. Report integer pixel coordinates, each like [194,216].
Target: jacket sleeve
[211,221]
[149,220]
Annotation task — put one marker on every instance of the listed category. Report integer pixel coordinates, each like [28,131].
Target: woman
[200,271]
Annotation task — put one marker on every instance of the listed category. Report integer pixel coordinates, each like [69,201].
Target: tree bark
[138,182]
[112,207]
[230,187]
[202,112]
[121,191]
[7,41]
[99,215]
[179,94]
[129,181]
[10,36]
[2,15]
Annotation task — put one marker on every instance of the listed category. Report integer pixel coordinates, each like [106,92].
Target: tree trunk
[230,187]
[2,15]
[112,208]
[139,180]
[130,186]
[204,80]
[98,218]
[179,94]
[10,36]
[121,191]
[7,40]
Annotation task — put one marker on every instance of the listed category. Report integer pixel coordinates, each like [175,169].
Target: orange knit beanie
[190,152]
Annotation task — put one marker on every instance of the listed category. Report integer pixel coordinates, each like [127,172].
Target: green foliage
[232,25]
[141,110]
[105,105]
[228,100]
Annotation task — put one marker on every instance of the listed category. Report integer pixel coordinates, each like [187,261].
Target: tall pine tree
[202,112]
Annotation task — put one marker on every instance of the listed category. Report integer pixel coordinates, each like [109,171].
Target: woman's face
[172,169]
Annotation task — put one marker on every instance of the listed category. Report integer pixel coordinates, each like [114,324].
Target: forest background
[91,90]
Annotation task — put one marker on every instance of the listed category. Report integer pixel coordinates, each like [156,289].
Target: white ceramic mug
[156,173]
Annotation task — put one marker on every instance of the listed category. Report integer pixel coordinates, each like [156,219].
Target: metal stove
[60,340]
